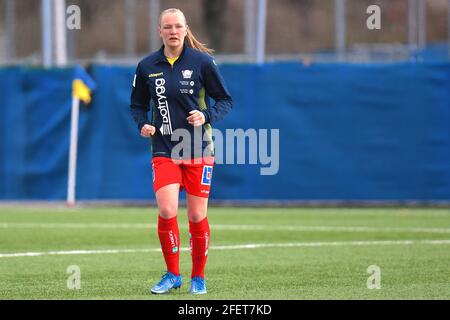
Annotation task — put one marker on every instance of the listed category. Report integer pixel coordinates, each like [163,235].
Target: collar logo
[187,74]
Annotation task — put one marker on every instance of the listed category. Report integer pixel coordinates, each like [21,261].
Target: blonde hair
[191,40]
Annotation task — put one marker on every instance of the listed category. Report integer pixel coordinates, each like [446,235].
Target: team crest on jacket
[187,74]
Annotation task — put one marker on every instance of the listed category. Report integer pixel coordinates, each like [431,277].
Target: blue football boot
[169,281]
[198,286]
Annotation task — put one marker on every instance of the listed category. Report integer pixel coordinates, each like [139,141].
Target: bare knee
[196,216]
[167,199]
[197,208]
[167,211]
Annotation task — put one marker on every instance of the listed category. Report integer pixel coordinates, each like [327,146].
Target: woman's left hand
[196,118]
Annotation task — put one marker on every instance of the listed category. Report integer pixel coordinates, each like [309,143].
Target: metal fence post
[341,28]
[130,27]
[412,24]
[422,19]
[154,10]
[10,22]
[47,38]
[261,32]
[250,29]
[60,32]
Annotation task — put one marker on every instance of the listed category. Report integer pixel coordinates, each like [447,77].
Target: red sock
[169,236]
[199,244]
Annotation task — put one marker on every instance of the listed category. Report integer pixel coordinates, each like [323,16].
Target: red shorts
[193,175]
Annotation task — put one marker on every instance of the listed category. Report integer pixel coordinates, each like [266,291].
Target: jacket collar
[162,57]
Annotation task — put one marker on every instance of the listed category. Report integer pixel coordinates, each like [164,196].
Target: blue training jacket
[174,91]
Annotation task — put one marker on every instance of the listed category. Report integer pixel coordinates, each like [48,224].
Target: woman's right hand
[147,131]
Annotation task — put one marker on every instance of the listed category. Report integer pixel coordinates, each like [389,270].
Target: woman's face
[173,29]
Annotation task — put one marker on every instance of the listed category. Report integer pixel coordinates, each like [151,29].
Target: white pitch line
[332,228]
[18,225]
[76,252]
[31,225]
[235,247]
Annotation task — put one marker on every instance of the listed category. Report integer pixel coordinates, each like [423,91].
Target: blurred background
[363,114]
[123,30]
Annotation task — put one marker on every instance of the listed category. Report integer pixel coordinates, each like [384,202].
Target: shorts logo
[187,74]
[207,175]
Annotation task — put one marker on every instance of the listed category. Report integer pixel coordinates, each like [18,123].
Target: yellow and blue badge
[82,85]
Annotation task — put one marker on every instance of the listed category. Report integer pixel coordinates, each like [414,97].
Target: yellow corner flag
[82,85]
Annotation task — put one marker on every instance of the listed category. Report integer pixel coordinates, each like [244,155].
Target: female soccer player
[176,80]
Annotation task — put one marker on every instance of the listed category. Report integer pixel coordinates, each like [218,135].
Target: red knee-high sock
[169,237]
[199,244]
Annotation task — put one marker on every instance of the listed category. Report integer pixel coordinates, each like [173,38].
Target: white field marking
[61,208]
[332,228]
[237,247]
[31,225]
[25,225]
[439,212]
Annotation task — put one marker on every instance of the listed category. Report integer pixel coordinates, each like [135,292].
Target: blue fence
[347,132]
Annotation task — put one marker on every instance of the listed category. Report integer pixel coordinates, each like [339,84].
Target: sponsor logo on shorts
[207,175]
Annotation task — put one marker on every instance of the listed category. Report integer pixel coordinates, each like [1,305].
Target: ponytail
[195,44]
[191,40]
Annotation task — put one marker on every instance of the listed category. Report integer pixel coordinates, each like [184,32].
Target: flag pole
[73,151]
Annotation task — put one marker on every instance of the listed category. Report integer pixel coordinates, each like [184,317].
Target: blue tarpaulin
[346,132]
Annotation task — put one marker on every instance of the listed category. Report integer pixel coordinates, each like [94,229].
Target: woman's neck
[172,52]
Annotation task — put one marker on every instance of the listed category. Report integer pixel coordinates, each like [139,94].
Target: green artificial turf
[292,254]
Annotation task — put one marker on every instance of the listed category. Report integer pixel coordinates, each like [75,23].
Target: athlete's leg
[168,232]
[167,179]
[200,233]
[167,200]
[197,208]
[169,235]
[197,179]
